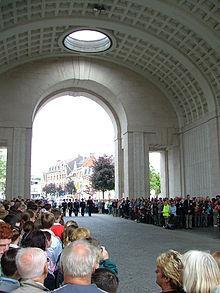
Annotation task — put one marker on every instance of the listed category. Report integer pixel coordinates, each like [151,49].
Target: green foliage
[70,187]
[3,160]
[103,177]
[154,178]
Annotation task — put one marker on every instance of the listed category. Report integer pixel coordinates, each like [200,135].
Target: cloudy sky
[68,126]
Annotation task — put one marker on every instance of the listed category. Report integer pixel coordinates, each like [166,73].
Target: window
[87,41]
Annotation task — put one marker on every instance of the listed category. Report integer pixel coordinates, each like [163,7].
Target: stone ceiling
[173,43]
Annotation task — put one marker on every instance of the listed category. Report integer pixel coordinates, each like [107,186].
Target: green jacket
[108,264]
[166,210]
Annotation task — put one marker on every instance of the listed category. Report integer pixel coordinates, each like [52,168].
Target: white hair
[79,258]
[201,272]
[30,262]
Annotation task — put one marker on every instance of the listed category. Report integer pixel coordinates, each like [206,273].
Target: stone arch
[142,115]
[83,88]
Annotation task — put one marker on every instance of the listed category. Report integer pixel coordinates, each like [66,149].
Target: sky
[68,126]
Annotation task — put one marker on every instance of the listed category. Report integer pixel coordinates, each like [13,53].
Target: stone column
[20,163]
[174,171]
[136,162]
[164,174]
[119,190]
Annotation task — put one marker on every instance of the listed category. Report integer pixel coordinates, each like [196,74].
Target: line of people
[171,213]
[76,206]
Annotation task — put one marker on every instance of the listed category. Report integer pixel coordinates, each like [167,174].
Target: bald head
[31,262]
[79,259]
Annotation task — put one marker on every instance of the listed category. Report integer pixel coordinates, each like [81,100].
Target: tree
[3,159]
[103,177]
[70,187]
[154,178]
[50,188]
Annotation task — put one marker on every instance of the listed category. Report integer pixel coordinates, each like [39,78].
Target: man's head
[105,280]
[6,234]
[8,264]
[47,220]
[32,263]
[79,259]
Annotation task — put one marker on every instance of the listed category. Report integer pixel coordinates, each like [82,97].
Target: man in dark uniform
[70,207]
[90,206]
[64,207]
[83,207]
[76,207]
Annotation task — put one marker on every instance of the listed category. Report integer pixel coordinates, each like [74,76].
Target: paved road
[135,247]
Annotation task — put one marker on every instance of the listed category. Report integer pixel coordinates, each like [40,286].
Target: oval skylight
[87,41]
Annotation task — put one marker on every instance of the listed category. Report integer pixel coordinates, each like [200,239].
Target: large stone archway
[142,116]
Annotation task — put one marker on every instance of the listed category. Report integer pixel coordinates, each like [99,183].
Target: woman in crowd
[169,271]
[201,272]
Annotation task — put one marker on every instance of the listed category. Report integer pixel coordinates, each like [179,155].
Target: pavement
[134,247]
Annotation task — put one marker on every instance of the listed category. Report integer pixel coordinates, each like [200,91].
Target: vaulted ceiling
[173,43]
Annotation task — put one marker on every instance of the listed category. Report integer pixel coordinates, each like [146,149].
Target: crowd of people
[40,252]
[171,213]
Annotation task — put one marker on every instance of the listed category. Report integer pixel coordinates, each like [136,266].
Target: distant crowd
[41,252]
[171,213]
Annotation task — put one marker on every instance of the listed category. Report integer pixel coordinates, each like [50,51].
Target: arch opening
[90,131]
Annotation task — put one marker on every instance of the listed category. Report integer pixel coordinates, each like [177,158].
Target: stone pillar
[136,162]
[174,171]
[19,153]
[119,190]
[164,172]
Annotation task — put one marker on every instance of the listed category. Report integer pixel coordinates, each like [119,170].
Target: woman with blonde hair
[169,271]
[201,273]
[81,233]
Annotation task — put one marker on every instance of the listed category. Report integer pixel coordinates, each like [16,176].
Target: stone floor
[135,246]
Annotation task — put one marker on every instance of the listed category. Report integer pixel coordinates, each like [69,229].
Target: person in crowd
[32,267]
[9,281]
[64,207]
[81,233]
[76,206]
[106,280]
[106,262]
[188,212]
[16,238]
[27,228]
[28,215]
[3,212]
[166,212]
[68,234]
[14,220]
[200,272]
[70,207]
[216,256]
[90,205]
[169,271]
[79,261]
[54,251]
[6,234]
[70,223]
[42,240]
[57,228]
[82,207]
